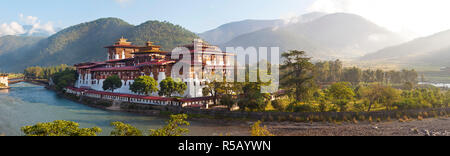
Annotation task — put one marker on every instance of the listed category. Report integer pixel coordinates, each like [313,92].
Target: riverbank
[38,82]
[425,127]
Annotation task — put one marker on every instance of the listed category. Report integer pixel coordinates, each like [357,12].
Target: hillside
[433,50]
[229,31]
[332,36]
[12,43]
[165,34]
[85,42]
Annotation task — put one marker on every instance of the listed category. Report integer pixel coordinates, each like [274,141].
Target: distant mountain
[433,50]
[86,42]
[229,31]
[12,43]
[331,36]
[29,31]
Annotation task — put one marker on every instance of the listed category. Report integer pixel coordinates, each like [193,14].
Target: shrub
[281,104]
[59,128]
[173,127]
[121,129]
[302,108]
[257,130]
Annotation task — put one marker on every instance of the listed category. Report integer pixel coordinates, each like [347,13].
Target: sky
[408,17]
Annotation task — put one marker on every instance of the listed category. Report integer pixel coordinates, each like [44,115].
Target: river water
[27,104]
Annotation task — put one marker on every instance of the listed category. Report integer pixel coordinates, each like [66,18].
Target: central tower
[122,49]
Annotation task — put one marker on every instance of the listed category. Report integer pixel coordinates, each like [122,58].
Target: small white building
[4,79]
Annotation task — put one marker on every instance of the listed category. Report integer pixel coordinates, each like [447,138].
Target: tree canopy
[65,78]
[112,83]
[59,128]
[173,127]
[121,129]
[298,75]
[169,87]
[342,94]
[144,85]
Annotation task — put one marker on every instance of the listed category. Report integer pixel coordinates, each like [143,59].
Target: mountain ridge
[333,36]
[229,31]
[428,50]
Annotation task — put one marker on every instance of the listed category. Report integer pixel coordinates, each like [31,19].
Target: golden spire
[149,43]
[123,41]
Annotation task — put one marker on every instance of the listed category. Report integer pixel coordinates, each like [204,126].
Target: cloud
[32,23]
[12,28]
[422,17]
[36,25]
[290,18]
[30,20]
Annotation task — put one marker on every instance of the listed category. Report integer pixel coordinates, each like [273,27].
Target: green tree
[214,89]
[168,87]
[369,76]
[389,97]
[65,78]
[173,127]
[408,86]
[144,85]
[352,75]
[342,94]
[121,129]
[322,71]
[298,76]
[252,98]
[373,94]
[321,99]
[112,83]
[227,100]
[281,104]
[59,128]
[379,75]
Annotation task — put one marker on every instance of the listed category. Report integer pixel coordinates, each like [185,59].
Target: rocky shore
[426,127]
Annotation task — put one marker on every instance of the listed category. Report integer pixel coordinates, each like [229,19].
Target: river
[27,104]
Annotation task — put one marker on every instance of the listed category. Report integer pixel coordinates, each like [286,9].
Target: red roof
[131,96]
[90,65]
[127,68]
[122,46]
[155,63]
[119,60]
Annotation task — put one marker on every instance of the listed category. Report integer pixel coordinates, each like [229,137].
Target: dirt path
[427,127]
